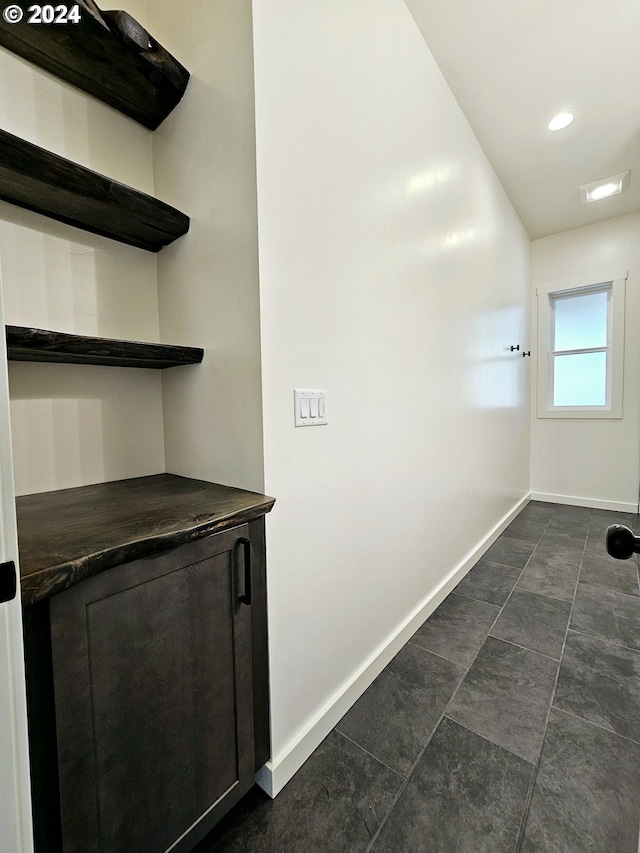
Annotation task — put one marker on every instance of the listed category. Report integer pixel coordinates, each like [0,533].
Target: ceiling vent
[605,187]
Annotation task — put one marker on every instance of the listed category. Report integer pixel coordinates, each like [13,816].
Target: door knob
[621,542]
[8,582]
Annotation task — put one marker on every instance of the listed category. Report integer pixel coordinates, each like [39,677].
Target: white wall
[204,158]
[73,426]
[394,273]
[591,462]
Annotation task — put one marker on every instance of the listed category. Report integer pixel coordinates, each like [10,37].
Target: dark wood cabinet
[147,690]
[153,695]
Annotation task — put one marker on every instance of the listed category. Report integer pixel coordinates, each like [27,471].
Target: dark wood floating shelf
[25,344]
[107,54]
[41,181]
[68,535]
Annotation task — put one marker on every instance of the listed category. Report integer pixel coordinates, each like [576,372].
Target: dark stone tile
[396,715]
[457,629]
[509,552]
[538,511]
[606,614]
[336,801]
[553,576]
[505,697]
[466,794]
[528,531]
[599,524]
[571,523]
[545,504]
[600,682]
[560,546]
[536,622]
[568,528]
[615,575]
[587,792]
[489,582]
[578,513]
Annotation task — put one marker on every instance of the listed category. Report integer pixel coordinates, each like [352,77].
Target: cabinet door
[152,676]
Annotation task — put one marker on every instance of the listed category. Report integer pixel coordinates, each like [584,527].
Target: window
[581,348]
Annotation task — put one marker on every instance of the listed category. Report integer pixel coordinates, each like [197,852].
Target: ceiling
[513,64]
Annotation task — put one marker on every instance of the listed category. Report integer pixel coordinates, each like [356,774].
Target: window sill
[569,414]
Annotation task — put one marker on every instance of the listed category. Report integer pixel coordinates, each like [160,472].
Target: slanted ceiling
[513,64]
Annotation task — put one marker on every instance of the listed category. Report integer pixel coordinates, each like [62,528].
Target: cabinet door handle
[245,544]
[8,581]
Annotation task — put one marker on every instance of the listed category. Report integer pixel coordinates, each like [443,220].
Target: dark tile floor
[510,721]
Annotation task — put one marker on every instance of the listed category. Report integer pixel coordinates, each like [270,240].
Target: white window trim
[613,408]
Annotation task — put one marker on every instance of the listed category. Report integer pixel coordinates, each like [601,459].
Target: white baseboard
[594,503]
[276,773]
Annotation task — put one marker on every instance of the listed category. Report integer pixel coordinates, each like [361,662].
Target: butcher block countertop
[68,535]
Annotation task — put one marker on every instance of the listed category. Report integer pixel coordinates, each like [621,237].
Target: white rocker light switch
[310,407]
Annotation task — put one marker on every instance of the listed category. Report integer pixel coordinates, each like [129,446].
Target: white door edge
[16,835]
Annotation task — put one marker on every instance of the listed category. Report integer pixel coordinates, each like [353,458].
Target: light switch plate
[310,407]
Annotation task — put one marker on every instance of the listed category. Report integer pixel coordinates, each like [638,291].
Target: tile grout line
[435,654]
[488,740]
[534,777]
[596,725]
[370,754]
[605,640]
[525,811]
[522,589]
[513,588]
[524,648]
[499,614]
[384,821]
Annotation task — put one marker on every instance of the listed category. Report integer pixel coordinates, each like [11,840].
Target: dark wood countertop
[68,535]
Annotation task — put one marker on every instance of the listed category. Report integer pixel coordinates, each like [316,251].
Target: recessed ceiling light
[605,188]
[560,121]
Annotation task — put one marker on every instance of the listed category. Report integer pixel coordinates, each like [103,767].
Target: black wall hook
[525,354]
[516,347]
